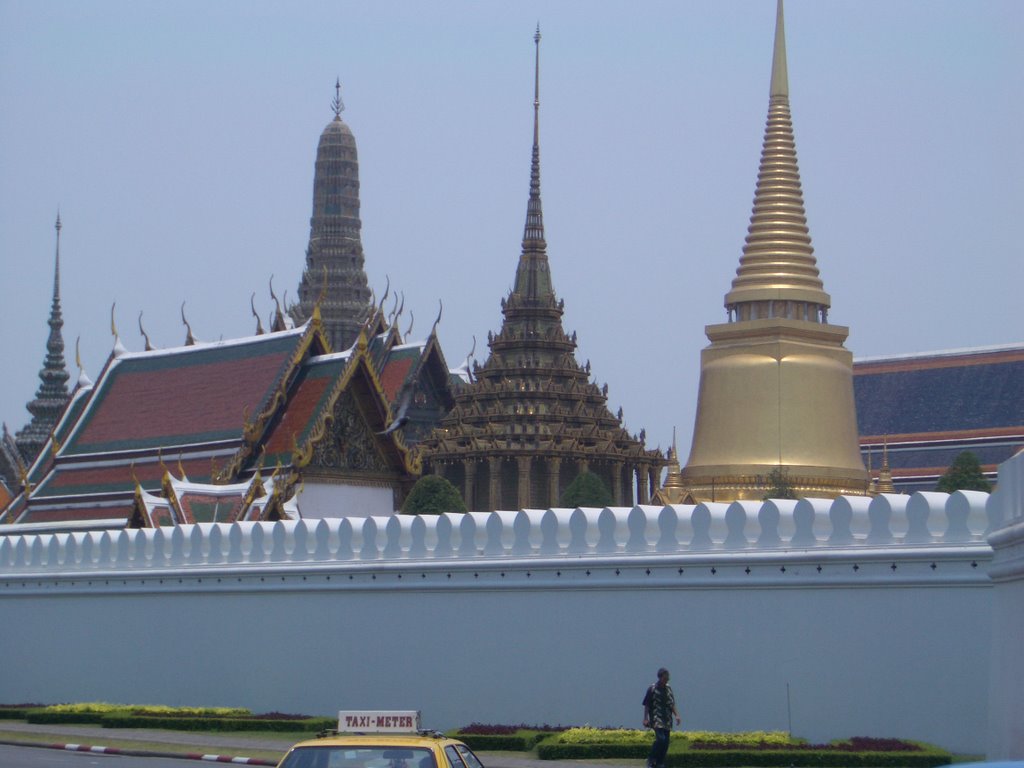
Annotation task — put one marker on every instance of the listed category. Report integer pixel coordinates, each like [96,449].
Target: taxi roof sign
[378,721]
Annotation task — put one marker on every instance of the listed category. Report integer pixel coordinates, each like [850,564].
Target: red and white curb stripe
[100,750]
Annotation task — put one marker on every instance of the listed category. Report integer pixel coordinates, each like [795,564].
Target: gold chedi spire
[776,386]
[778,261]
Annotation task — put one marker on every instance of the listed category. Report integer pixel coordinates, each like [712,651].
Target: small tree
[779,485]
[964,474]
[587,490]
[433,495]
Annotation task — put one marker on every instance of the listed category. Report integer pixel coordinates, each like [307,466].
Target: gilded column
[643,472]
[617,483]
[469,474]
[523,463]
[554,470]
[494,502]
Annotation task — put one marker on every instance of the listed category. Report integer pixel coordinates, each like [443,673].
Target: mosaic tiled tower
[533,420]
[52,395]
[334,274]
[776,383]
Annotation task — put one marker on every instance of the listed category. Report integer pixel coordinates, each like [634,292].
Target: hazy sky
[178,140]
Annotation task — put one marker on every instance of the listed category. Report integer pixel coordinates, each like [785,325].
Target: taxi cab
[380,739]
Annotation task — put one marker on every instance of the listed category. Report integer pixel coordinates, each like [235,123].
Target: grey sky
[178,141]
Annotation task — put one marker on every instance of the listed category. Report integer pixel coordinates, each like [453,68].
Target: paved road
[205,743]
[30,757]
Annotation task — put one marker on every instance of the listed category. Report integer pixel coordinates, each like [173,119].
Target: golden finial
[113,325]
[885,484]
[189,338]
[387,290]
[278,324]
[337,104]
[259,323]
[181,468]
[394,310]
[149,347]
[440,311]
[412,319]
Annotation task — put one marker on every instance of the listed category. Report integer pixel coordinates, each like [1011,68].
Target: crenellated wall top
[924,521]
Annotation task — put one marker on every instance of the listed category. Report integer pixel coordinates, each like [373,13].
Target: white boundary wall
[875,616]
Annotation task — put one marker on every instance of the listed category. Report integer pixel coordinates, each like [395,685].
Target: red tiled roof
[394,375]
[304,406]
[187,397]
[65,514]
[69,480]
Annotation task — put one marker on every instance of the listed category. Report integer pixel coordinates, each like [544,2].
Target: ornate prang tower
[334,257]
[52,395]
[532,420]
[776,386]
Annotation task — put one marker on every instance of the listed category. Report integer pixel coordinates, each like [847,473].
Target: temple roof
[531,394]
[137,403]
[978,391]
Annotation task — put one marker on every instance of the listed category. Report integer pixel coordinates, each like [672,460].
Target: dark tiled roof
[945,393]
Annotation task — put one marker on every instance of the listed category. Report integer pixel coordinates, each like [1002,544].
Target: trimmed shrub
[206,723]
[587,490]
[433,495]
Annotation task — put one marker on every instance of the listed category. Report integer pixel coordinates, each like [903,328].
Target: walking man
[659,709]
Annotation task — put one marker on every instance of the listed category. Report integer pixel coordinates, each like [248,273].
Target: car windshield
[358,757]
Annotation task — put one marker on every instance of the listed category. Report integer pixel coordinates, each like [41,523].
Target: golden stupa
[776,385]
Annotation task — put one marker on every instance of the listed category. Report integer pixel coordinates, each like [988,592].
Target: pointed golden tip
[780,75]
[113,325]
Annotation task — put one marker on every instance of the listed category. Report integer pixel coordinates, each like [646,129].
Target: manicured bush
[48,717]
[18,712]
[586,490]
[503,738]
[710,750]
[207,723]
[433,495]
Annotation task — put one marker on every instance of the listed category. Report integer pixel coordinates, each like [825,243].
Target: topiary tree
[964,474]
[587,490]
[433,495]
[779,485]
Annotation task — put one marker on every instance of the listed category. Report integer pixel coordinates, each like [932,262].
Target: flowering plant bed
[759,748]
[174,718]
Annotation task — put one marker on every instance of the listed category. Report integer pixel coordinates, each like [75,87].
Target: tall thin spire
[778,263]
[334,278]
[532,277]
[776,388]
[780,76]
[52,395]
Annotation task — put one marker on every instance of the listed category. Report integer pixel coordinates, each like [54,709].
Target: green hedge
[176,723]
[15,713]
[48,717]
[550,749]
[806,759]
[681,756]
[520,741]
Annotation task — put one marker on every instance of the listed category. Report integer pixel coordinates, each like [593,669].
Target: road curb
[100,750]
